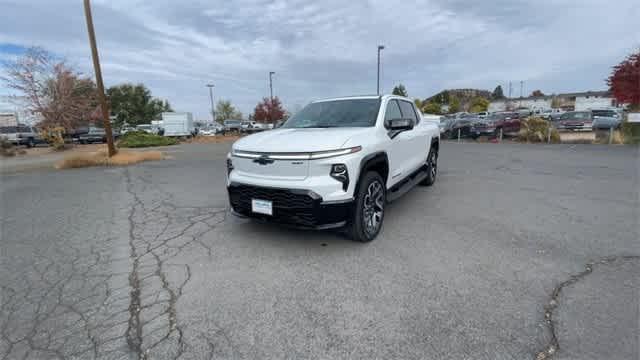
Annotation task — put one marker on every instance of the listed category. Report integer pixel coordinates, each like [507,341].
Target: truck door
[416,139]
[398,149]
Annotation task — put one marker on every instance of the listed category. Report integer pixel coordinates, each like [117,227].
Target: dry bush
[6,148]
[537,130]
[602,137]
[101,158]
[213,139]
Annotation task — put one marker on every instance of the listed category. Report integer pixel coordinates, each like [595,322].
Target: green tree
[441,98]
[479,104]
[418,103]
[133,104]
[454,104]
[497,93]
[400,90]
[432,107]
[225,110]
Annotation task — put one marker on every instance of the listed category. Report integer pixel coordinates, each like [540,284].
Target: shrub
[536,129]
[630,132]
[6,148]
[54,136]
[137,139]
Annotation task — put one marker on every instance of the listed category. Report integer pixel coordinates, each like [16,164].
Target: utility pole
[521,88]
[380,48]
[213,111]
[509,101]
[96,67]
[271,73]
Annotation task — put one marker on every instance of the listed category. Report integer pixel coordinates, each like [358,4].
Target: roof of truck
[362,97]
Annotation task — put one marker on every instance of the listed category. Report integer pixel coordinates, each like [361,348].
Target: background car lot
[460,270]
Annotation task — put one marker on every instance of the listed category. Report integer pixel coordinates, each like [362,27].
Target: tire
[432,168]
[30,143]
[370,203]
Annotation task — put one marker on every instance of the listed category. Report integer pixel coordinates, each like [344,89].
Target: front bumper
[294,207]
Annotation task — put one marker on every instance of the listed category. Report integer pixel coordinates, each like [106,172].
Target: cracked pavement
[144,263]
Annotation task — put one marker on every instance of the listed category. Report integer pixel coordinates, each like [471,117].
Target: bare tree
[61,96]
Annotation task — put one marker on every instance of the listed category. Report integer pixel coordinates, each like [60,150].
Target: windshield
[337,113]
[604,113]
[8,130]
[232,122]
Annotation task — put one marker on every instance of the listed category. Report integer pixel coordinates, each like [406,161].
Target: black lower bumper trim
[291,207]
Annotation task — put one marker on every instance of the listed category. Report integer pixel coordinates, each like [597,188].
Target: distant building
[14,105]
[578,101]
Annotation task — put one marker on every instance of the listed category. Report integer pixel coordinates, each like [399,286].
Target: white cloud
[328,48]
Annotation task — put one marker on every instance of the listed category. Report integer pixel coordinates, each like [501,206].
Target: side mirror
[399,124]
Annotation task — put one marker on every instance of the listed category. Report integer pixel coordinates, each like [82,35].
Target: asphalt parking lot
[146,263]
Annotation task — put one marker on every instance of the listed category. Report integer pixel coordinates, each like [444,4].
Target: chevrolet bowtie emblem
[263,160]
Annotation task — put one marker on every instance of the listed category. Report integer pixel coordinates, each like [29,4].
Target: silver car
[606,119]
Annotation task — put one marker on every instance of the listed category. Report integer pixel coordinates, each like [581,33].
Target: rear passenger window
[407,111]
[393,111]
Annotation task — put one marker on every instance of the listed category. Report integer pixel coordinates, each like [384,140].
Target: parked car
[508,122]
[604,119]
[335,163]
[148,128]
[21,135]
[93,135]
[575,121]
[232,125]
[463,126]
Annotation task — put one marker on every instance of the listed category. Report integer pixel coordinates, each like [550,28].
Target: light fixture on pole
[213,112]
[380,48]
[271,73]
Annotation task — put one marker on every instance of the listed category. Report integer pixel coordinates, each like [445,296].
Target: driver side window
[393,111]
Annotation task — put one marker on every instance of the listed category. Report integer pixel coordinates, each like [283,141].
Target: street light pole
[380,48]
[213,112]
[96,67]
[271,73]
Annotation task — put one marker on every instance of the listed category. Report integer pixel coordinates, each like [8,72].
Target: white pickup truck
[336,163]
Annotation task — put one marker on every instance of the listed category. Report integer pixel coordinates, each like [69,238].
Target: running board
[406,184]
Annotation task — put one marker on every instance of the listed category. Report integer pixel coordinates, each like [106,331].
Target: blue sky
[327,48]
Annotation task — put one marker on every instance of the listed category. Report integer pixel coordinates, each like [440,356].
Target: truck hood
[298,140]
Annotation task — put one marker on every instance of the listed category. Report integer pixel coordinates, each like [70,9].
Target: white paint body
[406,153]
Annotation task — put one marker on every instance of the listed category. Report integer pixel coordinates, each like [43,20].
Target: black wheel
[30,143]
[432,168]
[369,208]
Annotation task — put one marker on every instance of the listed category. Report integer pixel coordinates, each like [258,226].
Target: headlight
[340,173]
[229,166]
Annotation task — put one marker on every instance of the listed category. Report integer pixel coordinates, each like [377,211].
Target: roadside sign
[634,117]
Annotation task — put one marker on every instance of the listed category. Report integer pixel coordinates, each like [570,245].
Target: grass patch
[100,158]
[138,139]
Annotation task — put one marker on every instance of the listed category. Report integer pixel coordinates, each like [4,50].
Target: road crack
[553,346]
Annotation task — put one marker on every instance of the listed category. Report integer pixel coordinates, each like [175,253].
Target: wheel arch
[378,162]
[435,144]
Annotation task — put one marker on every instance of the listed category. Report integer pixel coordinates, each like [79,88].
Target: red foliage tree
[269,111]
[624,81]
[537,93]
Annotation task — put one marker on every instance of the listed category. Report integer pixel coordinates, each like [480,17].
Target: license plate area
[259,206]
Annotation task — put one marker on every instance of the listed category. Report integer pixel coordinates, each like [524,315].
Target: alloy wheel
[373,208]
